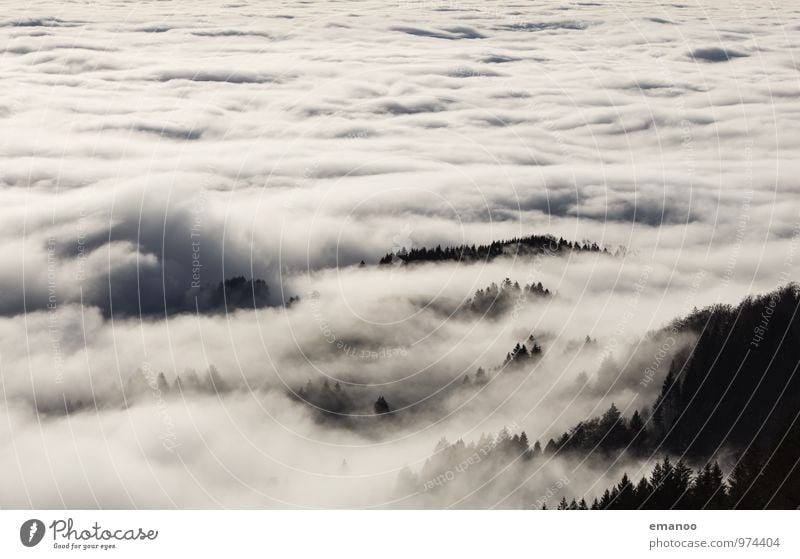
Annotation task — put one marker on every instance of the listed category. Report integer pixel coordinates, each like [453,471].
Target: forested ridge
[531,246]
[736,395]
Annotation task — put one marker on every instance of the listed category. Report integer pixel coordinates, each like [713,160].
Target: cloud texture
[147,147]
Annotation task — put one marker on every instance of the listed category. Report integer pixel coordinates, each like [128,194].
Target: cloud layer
[146,148]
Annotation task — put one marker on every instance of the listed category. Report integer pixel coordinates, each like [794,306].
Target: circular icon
[31,532]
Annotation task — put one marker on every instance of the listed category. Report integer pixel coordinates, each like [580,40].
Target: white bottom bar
[404,534]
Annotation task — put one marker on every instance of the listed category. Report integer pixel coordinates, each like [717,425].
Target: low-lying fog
[144,151]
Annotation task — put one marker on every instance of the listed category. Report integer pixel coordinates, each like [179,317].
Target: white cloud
[299,138]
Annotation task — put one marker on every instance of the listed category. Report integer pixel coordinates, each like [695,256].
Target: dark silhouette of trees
[381,406]
[234,293]
[520,355]
[739,385]
[494,300]
[475,464]
[636,423]
[524,246]
[625,497]
[331,402]
[407,482]
[162,384]
[709,490]
[523,445]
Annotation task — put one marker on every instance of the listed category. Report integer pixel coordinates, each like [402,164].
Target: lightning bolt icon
[34,529]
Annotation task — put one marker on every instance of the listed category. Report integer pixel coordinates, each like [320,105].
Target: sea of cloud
[147,146]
